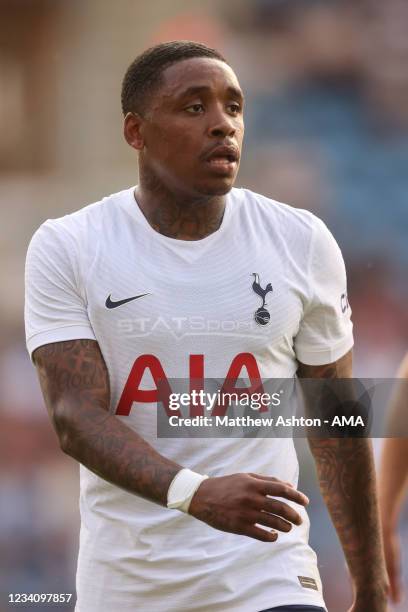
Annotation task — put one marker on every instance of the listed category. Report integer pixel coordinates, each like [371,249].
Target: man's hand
[238,502]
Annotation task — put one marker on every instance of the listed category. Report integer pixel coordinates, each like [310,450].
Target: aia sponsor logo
[162,389]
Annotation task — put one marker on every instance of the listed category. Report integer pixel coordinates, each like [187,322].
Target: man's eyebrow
[197,89]
[236,93]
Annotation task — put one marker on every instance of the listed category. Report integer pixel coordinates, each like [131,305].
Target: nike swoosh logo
[111,304]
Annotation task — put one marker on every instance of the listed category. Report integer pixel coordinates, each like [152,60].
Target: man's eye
[195,109]
[234,108]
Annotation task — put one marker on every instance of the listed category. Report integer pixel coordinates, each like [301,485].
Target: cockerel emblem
[261,316]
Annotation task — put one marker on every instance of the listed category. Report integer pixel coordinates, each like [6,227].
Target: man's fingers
[279,489]
[271,479]
[273,521]
[261,534]
[274,506]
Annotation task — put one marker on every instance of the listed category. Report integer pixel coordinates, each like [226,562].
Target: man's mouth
[221,161]
[223,158]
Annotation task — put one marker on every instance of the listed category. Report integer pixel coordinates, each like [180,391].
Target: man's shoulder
[91,213]
[87,220]
[276,213]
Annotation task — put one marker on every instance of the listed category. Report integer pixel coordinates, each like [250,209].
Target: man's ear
[132,131]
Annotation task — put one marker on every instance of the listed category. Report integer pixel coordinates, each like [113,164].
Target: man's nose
[222,124]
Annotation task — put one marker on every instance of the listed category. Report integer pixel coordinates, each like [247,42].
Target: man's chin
[216,188]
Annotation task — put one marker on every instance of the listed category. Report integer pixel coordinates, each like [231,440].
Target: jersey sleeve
[326,331]
[55,305]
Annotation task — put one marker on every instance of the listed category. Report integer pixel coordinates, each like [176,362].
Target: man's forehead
[198,72]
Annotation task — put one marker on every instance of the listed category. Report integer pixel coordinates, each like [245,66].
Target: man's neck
[180,217]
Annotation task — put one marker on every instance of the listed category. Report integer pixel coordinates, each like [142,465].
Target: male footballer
[184,276]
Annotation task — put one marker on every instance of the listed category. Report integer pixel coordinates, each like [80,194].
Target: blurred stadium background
[327,130]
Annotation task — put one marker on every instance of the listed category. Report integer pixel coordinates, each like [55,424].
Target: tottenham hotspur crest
[261,316]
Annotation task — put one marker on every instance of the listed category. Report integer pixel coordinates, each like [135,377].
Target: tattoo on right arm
[75,384]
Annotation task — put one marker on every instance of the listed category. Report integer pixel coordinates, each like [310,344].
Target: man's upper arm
[55,300]
[318,397]
[325,332]
[73,376]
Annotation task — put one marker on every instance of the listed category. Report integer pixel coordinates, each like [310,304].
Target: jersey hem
[325,355]
[59,334]
[255,606]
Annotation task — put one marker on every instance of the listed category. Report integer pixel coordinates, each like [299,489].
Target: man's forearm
[113,451]
[75,385]
[346,472]
[346,475]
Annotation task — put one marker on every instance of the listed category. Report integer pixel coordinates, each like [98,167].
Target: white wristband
[182,488]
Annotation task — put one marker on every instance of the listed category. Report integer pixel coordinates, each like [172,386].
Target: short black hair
[144,74]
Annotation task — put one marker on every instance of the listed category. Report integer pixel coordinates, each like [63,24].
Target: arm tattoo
[75,384]
[346,474]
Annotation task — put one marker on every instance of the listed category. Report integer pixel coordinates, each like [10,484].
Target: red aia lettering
[132,393]
[196,382]
[242,360]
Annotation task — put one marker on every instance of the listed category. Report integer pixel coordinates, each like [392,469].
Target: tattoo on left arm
[346,474]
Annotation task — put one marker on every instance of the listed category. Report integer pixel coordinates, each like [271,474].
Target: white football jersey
[266,289]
